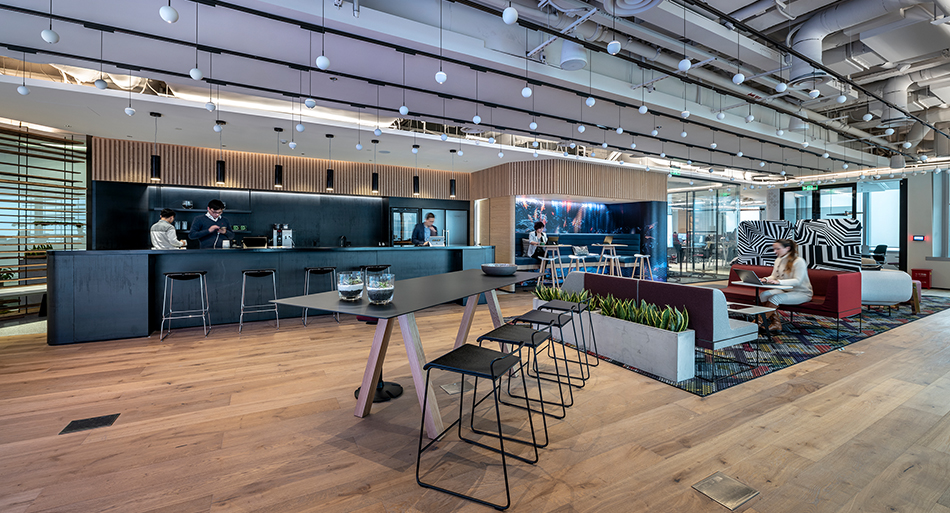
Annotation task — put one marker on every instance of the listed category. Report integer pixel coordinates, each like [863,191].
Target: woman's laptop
[749,277]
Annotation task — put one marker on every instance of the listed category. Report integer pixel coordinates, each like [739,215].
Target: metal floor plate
[725,490]
[90,423]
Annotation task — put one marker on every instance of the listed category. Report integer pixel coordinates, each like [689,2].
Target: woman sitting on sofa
[536,238]
[789,269]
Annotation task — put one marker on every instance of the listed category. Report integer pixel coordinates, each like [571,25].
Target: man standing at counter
[424,230]
[211,229]
[163,232]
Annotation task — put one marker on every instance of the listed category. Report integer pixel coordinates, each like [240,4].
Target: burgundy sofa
[836,294]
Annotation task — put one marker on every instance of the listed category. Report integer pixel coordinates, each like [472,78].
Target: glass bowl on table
[350,286]
[380,288]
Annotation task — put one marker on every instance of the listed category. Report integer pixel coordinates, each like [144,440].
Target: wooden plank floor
[263,421]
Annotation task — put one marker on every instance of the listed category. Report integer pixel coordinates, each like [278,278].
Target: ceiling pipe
[624,8]
[895,92]
[808,39]
[919,131]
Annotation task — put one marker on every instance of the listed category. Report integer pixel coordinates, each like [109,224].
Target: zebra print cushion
[833,244]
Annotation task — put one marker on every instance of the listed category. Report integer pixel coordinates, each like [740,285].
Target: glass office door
[403,221]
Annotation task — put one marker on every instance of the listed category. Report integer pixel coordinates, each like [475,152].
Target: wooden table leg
[374,367]
[494,309]
[417,360]
[470,304]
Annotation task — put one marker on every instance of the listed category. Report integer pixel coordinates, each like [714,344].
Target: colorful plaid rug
[734,365]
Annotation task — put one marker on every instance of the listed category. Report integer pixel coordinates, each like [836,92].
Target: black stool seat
[475,361]
[375,268]
[544,318]
[185,275]
[560,305]
[319,270]
[259,273]
[514,334]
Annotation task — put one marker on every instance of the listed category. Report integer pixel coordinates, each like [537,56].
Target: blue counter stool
[479,362]
[533,340]
[577,309]
[331,271]
[266,307]
[168,296]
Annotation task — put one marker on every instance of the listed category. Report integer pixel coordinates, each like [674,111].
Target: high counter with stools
[108,295]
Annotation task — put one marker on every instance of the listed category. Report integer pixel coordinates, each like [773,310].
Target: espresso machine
[283,236]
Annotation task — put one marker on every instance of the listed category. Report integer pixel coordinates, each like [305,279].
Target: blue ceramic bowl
[499,269]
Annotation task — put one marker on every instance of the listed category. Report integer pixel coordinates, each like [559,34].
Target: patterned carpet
[817,338]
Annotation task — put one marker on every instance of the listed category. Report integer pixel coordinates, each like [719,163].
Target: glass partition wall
[702,232]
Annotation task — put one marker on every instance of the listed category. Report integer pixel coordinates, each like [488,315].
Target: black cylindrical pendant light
[155,170]
[329,180]
[452,188]
[415,185]
[278,176]
[375,189]
[330,159]
[219,172]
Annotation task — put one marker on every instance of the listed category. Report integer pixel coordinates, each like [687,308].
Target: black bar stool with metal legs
[577,308]
[168,297]
[551,320]
[479,362]
[306,285]
[266,307]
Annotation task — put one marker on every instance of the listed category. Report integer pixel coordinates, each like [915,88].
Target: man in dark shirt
[211,229]
[424,230]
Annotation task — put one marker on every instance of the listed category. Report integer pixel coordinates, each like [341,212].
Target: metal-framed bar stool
[641,262]
[168,297]
[306,285]
[533,340]
[266,307]
[479,362]
[551,320]
[577,308]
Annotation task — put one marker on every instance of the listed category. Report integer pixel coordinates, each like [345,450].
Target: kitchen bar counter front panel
[107,295]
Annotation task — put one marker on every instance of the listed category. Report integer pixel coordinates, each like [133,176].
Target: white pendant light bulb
[196,74]
[581,128]
[684,65]
[491,140]
[683,133]
[825,155]
[684,114]
[593,154]
[359,147]
[100,84]
[300,127]
[572,145]
[210,106]
[739,154]
[23,90]
[633,146]
[535,154]
[761,164]
[292,145]
[750,118]
[804,144]
[619,130]
[654,132]
[689,162]
[844,166]
[535,144]
[713,146]
[310,103]
[662,154]
[564,154]
[477,119]
[444,137]
[590,101]
[604,145]
[533,125]
[780,132]
[218,128]
[129,111]
[721,116]
[377,132]
[781,87]
[323,62]
[415,149]
[403,110]
[782,173]
[643,109]
[50,36]
[526,92]
[906,145]
[441,77]
[889,131]
[509,15]
[814,93]
[924,158]
[867,117]
[738,78]
[841,98]
[460,153]
[613,47]
[501,154]
[168,13]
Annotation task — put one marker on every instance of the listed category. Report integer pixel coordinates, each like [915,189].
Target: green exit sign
[810,188]
[675,172]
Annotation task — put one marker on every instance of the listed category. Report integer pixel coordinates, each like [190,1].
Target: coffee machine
[283,236]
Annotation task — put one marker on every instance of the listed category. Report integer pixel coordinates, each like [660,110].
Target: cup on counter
[226,244]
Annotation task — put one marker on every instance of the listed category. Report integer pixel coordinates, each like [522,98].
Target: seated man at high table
[211,229]
[424,231]
[163,233]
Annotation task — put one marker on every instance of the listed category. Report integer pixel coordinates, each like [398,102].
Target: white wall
[919,222]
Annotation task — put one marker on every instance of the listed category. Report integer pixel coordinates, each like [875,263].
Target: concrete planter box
[667,354]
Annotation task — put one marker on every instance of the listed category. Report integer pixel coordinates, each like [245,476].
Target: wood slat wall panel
[568,178]
[116,160]
[501,221]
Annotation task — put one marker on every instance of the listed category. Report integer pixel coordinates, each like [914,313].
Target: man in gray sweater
[163,232]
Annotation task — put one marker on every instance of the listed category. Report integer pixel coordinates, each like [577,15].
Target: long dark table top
[412,295]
